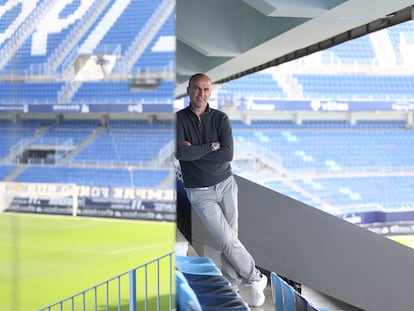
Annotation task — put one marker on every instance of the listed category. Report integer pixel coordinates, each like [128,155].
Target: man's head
[199,90]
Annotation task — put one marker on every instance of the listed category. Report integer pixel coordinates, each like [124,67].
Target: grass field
[407,240]
[46,258]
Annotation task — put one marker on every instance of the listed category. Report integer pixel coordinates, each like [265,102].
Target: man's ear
[188,90]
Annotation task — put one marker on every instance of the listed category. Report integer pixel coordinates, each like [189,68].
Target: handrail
[90,295]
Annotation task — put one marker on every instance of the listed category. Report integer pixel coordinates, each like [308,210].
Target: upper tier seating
[33,60]
[28,61]
[23,92]
[117,92]
[163,57]
[123,31]
[380,87]
[358,50]
[258,85]
[397,33]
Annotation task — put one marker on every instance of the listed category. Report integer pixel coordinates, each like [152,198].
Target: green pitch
[46,258]
[407,240]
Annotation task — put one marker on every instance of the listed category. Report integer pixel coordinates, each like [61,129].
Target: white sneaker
[256,295]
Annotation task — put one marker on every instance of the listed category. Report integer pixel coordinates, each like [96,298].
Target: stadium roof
[232,38]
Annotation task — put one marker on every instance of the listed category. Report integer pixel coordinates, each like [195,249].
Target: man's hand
[215,146]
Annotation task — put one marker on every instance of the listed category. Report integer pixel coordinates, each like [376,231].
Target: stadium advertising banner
[327,105]
[388,223]
[248,105]
[94,201]
[87,108]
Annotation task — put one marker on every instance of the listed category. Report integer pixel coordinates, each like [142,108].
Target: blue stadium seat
[334,147]
[213,289]
[285,298]
[220,303]
[206,278]
[209,296]
[276,285]
[282,293]
[347,86]
[187,299]
[5,170]
[184,260]
[200,269]
[208,287]
[256,85]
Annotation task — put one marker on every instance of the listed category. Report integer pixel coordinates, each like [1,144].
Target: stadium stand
[311,148]
[334,166]
[123,160]
[5,170]
[360,50]
[108,32]
[117,145]
[356,87]
[13,132]
[124,147]
[260,85]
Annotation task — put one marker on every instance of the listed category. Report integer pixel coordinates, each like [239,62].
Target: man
[204,149]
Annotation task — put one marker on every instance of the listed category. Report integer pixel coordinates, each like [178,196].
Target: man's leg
[229,207]
[214,205]
[227,191]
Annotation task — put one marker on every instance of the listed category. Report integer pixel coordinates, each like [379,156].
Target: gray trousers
[217,207]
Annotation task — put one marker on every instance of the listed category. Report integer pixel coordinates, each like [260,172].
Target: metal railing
[150,286]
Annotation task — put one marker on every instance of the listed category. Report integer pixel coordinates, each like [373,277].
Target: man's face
[199,91]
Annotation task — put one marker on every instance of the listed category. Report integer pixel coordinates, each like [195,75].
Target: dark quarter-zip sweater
[200,166]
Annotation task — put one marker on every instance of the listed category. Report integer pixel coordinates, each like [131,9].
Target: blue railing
[147,287]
